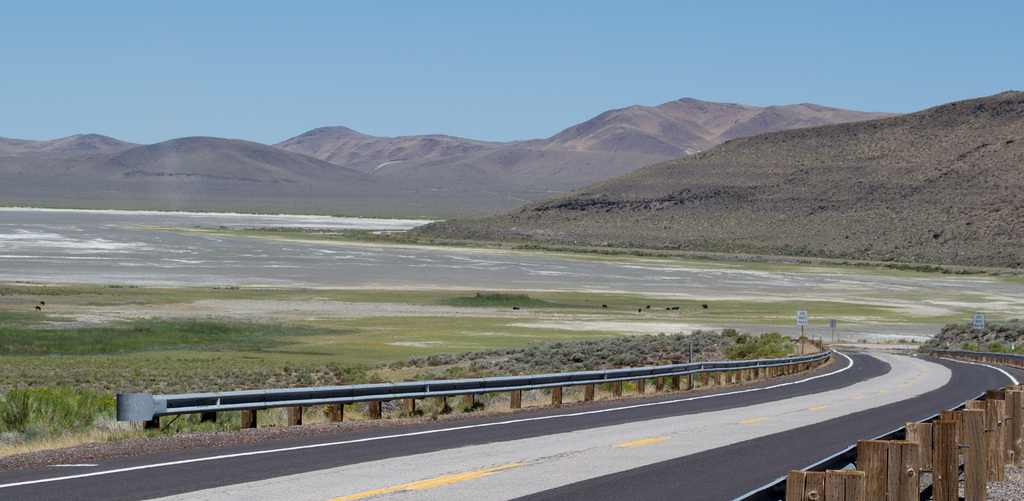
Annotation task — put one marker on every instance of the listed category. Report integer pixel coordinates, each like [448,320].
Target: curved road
[715,445]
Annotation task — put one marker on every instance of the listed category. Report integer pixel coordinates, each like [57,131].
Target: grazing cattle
[515,307]
[667,308]
[639,310]
[675,307]
[604,306]
[648,307]
[704,306]
[42,302]
[38,308]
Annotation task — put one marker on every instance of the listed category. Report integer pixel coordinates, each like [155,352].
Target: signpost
[802,320]
[832,324]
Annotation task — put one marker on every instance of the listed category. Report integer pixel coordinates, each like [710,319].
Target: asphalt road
[711,447]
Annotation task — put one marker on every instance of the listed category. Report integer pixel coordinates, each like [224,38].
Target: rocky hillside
[938,186]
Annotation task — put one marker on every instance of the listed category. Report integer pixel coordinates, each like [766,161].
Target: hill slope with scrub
[938,186]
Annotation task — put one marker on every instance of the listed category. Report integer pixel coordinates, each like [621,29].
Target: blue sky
[147,71]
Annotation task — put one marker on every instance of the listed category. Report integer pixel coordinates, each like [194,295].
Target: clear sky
[149,71]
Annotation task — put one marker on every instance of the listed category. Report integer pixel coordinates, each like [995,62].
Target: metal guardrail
[986,354]
[146,406]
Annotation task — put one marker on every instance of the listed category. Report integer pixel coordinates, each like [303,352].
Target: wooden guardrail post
[843,485]
[641,386]
[994,412]
[208,417]
[922,434]
[805,486]
[469,401]
[515,399]
[1015,416]
[904,478]
[677,383]
[659,384]
[975,471]
[831,485]
[294,416]
[374,409]
[588,393]
[336,413]
[152,424]
[249,418]
[409,405]
[617,389]
[873,460]
[556,396]
[945,461]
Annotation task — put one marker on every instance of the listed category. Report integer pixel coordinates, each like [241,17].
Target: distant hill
[939,186]
[612,144]
[199,173]
[82,144]
[336,170]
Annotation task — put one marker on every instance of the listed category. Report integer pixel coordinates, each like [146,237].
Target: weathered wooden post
[409,405]
[336,413]
[994,441]
[374,409]
[556,396]
[617,389]
[842,485]
[975,470]
[208,417]
[249,418]
[516,399]
[294,416]
[945,462]
[152,424]
[641,386]
[588,393]
[659,384]
[904,476]
[873,460]
[922,434]
[805,485]
[1015,416]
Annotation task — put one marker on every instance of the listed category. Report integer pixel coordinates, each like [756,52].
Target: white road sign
[979,322]
[801,317]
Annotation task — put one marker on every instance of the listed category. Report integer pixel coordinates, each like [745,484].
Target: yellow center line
[818,407]
[882,391]
[423,484]
[753,420]
[855,398]
[640,442]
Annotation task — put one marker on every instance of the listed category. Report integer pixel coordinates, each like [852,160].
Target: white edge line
[425,432]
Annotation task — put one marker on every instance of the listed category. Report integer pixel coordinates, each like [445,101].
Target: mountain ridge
[936,186]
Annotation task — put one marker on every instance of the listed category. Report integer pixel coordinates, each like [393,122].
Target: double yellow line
[434,482]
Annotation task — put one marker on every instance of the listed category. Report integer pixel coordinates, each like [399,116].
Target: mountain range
[336,170]
[939,186]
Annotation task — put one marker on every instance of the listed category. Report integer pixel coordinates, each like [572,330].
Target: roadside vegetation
[1000,337]
[59,373]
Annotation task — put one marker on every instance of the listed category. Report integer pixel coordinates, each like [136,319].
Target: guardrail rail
[149,408]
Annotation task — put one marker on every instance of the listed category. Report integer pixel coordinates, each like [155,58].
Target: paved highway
[708,446]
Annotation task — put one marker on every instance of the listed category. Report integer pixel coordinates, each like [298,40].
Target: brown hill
[82,144]
[937,186]
[338,170]
[609,145]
